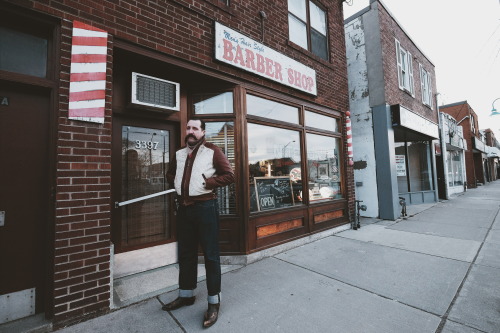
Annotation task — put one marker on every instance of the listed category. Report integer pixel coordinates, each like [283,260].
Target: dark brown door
[141,154]
[24,126]
[440,177]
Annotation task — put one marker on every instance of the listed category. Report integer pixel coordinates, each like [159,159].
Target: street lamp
[283,153]
[494,111]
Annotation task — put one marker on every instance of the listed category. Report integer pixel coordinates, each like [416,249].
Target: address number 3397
[151,145]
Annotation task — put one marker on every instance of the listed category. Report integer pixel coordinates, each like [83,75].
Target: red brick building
[94,99]
[475,155]
[493,154]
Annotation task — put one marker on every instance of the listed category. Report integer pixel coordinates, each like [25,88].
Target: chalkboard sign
[273,192]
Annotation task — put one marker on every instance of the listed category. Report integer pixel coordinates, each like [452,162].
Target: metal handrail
[124,203]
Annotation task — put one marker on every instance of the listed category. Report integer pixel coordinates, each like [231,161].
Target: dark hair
[202,123]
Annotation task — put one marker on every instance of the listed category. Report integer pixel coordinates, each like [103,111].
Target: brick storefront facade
[177,34]
[467,118]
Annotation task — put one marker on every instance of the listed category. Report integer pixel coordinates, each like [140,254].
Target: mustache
[190,136]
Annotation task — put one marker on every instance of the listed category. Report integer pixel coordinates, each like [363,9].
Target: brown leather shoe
[179,302]
[211,315]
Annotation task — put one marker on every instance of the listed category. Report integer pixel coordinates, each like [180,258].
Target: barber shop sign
[240,51]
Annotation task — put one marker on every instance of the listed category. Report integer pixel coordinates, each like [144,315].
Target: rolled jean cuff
[185,293]
[214,299]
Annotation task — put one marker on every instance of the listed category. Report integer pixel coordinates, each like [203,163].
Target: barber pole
[87,88]
[350,154]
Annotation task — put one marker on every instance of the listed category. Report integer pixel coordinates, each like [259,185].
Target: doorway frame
[116,174]
[52,85]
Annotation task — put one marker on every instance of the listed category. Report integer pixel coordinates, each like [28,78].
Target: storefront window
[221,134]
[208,103]
[274,167]
[273,110]
[320,121]
[419,161]
[323,168]
[413,165]
[455,174]
[401,167]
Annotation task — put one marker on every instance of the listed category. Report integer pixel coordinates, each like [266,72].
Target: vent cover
[155,92]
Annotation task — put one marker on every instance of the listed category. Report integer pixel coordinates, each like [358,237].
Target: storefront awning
[492,152]
[411,125]
[478,145]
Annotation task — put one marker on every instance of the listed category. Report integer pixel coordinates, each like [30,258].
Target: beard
[192,143]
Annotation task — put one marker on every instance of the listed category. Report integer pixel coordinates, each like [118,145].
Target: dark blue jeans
[199,224]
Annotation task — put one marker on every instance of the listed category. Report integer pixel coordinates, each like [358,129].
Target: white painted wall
[361,118]
[446,119]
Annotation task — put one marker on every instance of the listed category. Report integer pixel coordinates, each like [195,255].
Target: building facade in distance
[450,163]
[475,155]
[392,88]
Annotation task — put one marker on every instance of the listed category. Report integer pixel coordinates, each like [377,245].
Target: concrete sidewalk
[438,270]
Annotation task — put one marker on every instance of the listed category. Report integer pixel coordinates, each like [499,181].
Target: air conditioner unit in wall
[154,92]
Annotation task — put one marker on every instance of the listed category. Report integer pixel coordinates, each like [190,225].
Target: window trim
[405,69]
[309,28]
[303,130]
[426,83]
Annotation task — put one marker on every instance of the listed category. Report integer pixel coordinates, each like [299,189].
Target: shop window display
[323,168]
[274,167]
[413,165]
[455,173]
[401,167]
[419,160]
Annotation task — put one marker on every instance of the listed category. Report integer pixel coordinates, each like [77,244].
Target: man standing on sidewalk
[196,171]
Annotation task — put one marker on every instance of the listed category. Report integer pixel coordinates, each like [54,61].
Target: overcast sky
[462,39]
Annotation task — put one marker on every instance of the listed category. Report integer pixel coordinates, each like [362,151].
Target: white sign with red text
[240,51]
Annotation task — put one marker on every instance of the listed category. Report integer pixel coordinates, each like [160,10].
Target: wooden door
[24,189]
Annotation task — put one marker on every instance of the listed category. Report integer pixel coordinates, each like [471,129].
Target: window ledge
[406,91]
[309,54]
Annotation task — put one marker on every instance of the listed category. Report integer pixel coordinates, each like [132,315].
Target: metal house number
[151,145]
[4,101]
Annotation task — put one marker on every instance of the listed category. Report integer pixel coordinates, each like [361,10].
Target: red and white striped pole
[87,89]
[350,154]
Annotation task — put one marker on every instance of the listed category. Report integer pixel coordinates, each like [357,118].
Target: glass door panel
[145,156]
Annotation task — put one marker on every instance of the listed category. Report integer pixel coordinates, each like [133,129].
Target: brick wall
[184,29]
[83,192]
[390,31]
[179,28]
[473,161]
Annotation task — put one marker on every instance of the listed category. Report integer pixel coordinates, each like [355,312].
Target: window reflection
[401,173]
[208,103]
[323,167]
[273,110]
[326,123]
[455,173]
[413,165]
[221,134]
[23,53]
[274,167]
[145,157]
[419,160]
